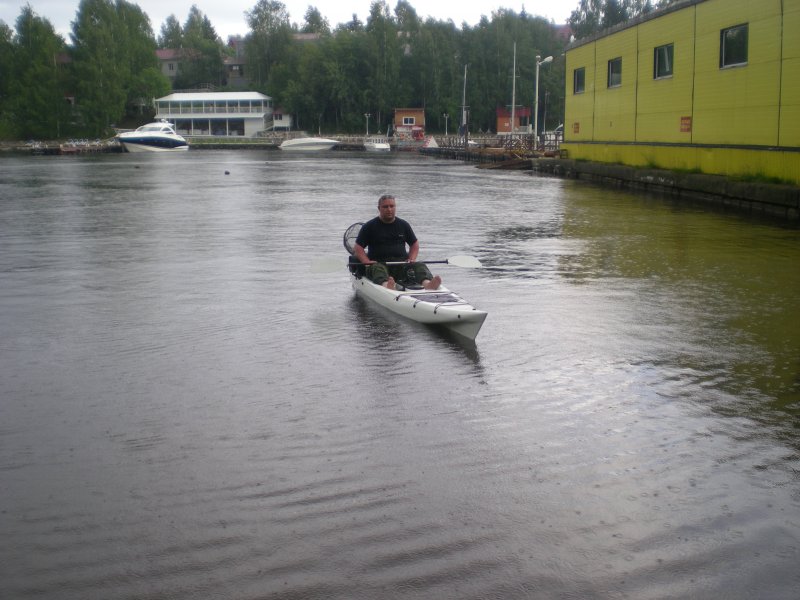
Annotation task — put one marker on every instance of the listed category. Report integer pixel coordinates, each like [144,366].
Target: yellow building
[703,85]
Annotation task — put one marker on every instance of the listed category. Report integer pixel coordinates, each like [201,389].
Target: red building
[522,120]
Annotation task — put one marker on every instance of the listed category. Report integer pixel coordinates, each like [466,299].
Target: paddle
[327,265]
[460,260]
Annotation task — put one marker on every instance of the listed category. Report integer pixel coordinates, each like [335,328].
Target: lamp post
[539,62]
[446,116]
[367,116]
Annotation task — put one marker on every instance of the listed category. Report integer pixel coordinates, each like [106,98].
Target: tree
[353,24]
[36,98]
[113,58]
[592,16]
[171,34]
[587,18]
[269,38]
[315,22]
[384,86]
[6,66]
[202,53]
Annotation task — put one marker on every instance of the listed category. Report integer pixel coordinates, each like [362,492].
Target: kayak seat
[356,267]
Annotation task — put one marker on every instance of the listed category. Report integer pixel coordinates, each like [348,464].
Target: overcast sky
[227,16]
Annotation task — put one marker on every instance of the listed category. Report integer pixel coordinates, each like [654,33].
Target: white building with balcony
[226,114]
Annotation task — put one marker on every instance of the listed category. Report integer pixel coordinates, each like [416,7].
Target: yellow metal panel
[665,105]
[790,76]
[737,105]
[579,108]
[756,104]
[615,107]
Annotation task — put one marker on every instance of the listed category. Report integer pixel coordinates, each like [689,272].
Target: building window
[733,46]
[171,67]
[615,72]
[579,80]
[662,61]
[409,120]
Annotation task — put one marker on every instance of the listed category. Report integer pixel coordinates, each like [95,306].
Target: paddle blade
[328,265]
[464,261]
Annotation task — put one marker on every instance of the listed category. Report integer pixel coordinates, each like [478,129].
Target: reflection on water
[187,410]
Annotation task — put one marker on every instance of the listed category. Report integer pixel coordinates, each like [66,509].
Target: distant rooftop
[187,96]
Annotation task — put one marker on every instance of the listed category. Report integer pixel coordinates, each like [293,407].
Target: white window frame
[667,53]
[724,61]
[614,82]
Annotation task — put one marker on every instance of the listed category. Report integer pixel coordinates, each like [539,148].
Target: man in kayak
[384,239]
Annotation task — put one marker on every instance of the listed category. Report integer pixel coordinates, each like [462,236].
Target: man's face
[387,209]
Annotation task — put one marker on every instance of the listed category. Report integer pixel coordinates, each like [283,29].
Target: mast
[513,90]
[464,109]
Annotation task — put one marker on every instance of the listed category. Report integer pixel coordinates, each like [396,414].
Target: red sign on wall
[686,124]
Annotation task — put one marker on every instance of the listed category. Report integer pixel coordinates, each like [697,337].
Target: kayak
[432,307]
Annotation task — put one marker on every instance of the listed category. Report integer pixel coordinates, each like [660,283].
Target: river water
[189,410]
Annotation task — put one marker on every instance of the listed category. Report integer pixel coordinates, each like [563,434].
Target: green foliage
[202,53]
[269,39]
[114,63]
[393,60]
[593,16]
[171,34]
[35,105]
[6,66]
[315,22]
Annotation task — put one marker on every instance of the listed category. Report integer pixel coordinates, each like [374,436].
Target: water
[188,410]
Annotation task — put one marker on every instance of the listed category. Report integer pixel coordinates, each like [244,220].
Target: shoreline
[781,201]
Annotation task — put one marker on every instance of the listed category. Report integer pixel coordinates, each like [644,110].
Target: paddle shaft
[458,261]
[427,262]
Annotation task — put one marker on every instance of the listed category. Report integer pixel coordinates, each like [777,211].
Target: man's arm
[361,255]
[413,251]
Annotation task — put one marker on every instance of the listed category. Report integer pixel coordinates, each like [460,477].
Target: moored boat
[153,137]
[377,144]
[306,144]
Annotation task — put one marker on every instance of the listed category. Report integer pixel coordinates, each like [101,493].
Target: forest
[107,74]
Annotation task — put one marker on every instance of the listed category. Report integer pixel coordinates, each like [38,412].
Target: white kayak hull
[431,307]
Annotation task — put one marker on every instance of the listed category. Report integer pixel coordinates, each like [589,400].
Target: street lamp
[446,116]
[539,63]
[367,115]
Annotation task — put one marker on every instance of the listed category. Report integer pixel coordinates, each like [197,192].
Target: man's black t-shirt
[386,241]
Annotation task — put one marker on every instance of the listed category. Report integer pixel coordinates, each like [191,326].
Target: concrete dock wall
[781,201]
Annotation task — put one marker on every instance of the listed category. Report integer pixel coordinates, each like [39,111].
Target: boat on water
[153,137]
[377,144]
[432,307]
[306,144]
[439,307]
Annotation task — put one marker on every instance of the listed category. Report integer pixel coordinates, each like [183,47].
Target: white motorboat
[377,144]
[306,144]
[153,137]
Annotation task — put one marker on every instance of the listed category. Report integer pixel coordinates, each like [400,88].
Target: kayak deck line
[441,307]
[451,300]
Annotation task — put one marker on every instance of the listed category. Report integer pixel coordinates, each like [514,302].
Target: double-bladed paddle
[328,265]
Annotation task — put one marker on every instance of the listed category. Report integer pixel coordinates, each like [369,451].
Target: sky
[227,16]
